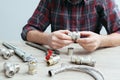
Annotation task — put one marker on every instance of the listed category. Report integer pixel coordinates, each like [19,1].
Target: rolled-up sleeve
[40,19]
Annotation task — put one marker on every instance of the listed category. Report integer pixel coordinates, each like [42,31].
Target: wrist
[105,41]
[48,38]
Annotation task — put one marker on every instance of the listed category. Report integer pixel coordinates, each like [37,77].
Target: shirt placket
[73,18]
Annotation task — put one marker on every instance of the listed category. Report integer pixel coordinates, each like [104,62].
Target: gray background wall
[14,15]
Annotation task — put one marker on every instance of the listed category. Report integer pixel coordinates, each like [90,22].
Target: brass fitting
[32,67]
[53,60]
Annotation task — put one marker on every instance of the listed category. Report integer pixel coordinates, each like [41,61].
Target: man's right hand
[59,39]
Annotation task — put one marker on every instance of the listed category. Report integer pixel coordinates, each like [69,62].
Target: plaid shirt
[84,15]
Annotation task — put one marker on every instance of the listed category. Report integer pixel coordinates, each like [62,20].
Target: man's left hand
[91,41]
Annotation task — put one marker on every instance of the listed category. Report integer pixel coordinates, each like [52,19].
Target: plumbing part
[53,60]
[74,35]
[26,57]
[48,55]
[82,68]
[70,51]
[32,67]
[6,53]
[38,46]
[11,69]
[83,60]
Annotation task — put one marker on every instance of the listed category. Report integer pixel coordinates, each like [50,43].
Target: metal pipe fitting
[6,53]
[11,69]
[82,68]
[83,60]
[32,67]
[70,51]
[74,35]
[53,60]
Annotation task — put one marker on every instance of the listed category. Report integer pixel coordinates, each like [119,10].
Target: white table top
[107,62]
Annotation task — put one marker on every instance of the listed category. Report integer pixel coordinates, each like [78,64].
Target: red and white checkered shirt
[84,15]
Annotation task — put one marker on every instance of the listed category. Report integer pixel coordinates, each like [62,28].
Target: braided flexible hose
[82,68]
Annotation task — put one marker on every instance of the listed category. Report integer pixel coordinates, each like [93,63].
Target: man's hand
[91,40]
[59,39]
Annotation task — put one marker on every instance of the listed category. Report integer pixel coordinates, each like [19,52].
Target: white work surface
[107,62]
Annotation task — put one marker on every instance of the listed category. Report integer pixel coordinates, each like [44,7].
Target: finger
[65,31]
[56,46]
[61,42]
[64,42]
[85,33]
[90,45]
[63,36]
[85,40]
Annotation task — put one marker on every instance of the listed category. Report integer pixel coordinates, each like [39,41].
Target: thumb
[65,31]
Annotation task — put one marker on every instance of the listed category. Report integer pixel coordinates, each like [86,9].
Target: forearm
[37,37]
[110,40]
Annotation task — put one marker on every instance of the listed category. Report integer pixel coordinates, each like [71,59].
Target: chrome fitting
[70,51]
[53,60]
[74,35]
[32,67]
[11,69]
[6,53]
[83,60]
